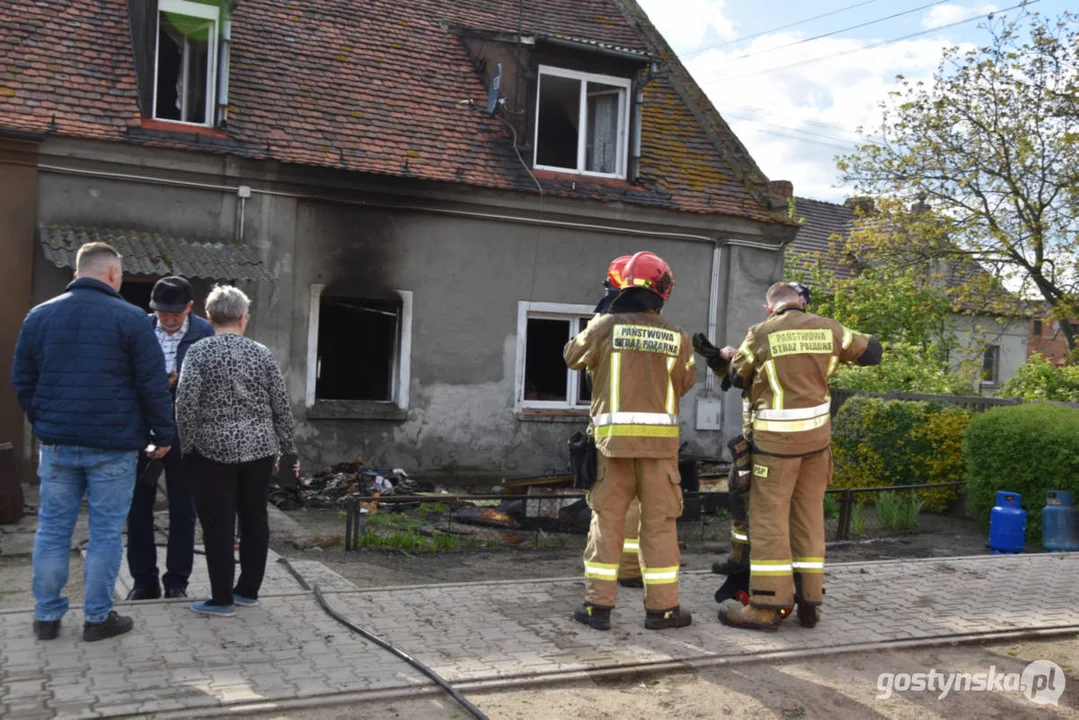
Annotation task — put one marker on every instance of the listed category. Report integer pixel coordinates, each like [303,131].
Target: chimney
[782,188]
[860,203]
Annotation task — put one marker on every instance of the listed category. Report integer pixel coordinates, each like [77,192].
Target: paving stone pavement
[288,651]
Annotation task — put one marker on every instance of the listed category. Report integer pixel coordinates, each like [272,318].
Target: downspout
[713,310]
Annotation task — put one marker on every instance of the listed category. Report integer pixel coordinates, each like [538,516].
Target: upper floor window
[186,61]
[991,365]
[582,122]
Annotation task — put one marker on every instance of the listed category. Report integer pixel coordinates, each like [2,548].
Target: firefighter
[785,364]
[629,569]
[737,562]
[641,365]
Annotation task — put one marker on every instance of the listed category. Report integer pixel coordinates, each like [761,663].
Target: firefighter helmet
[648,270]
[616,272]
[802,290]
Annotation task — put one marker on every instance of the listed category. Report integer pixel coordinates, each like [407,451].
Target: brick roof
[813,244]
[147,253]
[373,87]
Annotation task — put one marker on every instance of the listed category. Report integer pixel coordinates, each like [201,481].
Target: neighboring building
[1001,342]
[416,262]
[1047,339]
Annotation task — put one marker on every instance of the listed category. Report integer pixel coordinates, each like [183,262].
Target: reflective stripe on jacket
[641,365]
[786,363]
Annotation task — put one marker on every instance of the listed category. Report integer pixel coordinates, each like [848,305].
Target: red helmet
[649,270]
[616,272]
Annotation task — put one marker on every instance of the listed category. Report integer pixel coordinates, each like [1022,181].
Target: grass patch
[408,542]
[899,511]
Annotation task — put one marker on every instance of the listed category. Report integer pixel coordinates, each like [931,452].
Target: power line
[1025,3]
[790,129]
[841,30]
[837,146]
[761,111]
[698,51]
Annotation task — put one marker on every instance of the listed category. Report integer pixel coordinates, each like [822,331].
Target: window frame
[995,379]
[624,102]
[203,12]
[402,357]
[546,311]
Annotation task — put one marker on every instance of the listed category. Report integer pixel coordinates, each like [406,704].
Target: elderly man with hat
[176,329]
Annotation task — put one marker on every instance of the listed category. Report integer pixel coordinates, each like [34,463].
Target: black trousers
[224,491]
[141,544]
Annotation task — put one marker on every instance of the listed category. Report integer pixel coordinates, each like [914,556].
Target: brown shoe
[750,618]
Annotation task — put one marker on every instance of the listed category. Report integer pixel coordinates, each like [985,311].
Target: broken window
[582,122]
[186,62]
[358,347]
[546,381]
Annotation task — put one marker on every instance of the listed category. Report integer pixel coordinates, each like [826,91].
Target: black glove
[703,347]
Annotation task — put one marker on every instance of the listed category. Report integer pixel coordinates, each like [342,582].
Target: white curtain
[603,133]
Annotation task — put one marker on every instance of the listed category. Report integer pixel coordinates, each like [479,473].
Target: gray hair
[96,257]
[226,305]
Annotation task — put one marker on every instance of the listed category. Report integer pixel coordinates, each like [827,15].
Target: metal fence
[470,522]
[973,403]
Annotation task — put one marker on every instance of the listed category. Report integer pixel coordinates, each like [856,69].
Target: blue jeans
[107,478]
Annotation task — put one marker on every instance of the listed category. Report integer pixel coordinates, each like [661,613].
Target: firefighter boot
[808,615]
[593,616]
[675,617]
[750,618]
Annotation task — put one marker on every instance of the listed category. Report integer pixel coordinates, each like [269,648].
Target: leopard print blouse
[231,403]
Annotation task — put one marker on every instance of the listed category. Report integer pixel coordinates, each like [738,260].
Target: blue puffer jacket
[89,371]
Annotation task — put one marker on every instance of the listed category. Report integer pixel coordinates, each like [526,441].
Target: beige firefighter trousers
[786,532]
[656,483]
[629,567]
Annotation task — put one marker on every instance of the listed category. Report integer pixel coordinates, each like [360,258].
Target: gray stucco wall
[467,276]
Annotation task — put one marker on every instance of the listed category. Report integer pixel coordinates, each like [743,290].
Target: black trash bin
[687,469]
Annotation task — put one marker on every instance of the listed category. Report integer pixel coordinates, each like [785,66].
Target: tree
[990,147]
[1039,379]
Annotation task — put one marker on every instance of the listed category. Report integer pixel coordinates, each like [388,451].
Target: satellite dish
[494,90]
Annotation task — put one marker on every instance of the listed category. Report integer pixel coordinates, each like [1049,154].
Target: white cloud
[688,24]
[946,14]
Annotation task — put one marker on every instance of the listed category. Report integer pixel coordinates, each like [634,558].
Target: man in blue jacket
[90,376]
[176,329]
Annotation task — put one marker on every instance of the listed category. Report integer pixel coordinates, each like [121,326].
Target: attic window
[582,122]
[186,62]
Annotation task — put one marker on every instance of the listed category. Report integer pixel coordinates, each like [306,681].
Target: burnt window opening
[547,380]
[358,346]
[186,67]
[582,122]
[137,292]
[991,365]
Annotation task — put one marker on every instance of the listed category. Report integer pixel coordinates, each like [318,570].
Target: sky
[793,111]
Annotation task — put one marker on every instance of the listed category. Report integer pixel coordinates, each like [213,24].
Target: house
[999,340]
[1047,339]
[420,197]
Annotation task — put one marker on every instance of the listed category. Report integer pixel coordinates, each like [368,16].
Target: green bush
[879,443]
[1039,379]
[906,368]
[1027,449]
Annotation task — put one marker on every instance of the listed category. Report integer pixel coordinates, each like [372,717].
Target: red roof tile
[373,87]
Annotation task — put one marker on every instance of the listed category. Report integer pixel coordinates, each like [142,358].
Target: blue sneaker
[203,608]
[244,601]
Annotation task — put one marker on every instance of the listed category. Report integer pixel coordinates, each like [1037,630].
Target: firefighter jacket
[640,366]
[785,363]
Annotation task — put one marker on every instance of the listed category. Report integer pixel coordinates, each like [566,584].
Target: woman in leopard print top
[234,418]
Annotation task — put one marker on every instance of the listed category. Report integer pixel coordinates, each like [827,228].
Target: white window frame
[203,12]
[995,380]
[546,311]
[582,123]
[402,360]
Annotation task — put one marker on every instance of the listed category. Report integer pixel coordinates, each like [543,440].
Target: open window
[185,66]
[543,380]
[991,365]
[582,122]
[358,354]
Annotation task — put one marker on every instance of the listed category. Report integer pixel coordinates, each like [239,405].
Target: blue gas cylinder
[1007,524]
[1058,522]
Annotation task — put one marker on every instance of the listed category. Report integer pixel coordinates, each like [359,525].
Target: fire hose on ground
[321,599]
